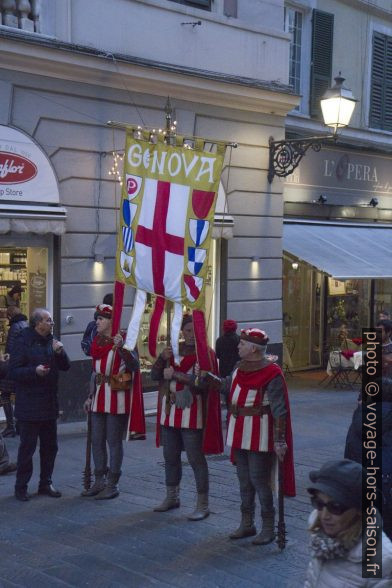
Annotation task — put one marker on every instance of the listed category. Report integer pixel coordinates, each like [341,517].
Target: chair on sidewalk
[341,375]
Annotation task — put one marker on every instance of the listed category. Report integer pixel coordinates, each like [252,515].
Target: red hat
[229,325]
[104,310]
[187,318]
[255,336]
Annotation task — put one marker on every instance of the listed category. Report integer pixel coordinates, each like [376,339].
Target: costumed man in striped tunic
[259,429]
[188,419]
[115,403]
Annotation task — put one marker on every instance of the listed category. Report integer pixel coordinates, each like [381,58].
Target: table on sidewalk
[342,365]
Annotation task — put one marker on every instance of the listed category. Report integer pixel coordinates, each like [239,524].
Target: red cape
[212,428]
[259,379]
[136,421]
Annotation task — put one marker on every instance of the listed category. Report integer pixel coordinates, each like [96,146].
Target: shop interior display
[13,270]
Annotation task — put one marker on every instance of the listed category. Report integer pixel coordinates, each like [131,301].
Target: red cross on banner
[158,239]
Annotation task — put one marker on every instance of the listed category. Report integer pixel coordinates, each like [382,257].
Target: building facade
[70,66]
[338,203]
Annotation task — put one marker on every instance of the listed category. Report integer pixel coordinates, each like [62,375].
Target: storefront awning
[344,252]
[32,219]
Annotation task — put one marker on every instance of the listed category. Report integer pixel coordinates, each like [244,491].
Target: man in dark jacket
[34,365]
[226,348]
[17,322]
[354,447]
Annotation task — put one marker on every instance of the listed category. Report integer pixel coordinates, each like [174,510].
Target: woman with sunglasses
[336,530]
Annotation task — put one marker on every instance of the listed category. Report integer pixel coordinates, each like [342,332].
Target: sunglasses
[335,508]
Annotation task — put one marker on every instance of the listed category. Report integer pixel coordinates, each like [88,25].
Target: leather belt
[249,410]
[101,378]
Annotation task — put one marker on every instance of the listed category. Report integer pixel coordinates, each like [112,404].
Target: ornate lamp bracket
[285,155]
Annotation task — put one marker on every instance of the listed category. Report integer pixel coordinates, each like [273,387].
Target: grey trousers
[108,429]
[4,457]
[254,474]
[191,440]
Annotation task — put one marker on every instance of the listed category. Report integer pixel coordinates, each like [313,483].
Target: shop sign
[15,169]
[26,174]
[358,176]
[37,290]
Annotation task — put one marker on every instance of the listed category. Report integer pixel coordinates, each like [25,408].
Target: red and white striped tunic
[254,433]
[105,399]
[187,418]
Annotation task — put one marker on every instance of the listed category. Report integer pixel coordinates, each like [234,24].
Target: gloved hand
[184,398]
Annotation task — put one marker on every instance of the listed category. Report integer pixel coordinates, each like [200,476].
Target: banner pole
[125,126]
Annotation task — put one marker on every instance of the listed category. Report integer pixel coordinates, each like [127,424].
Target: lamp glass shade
[337,111]
[337,105]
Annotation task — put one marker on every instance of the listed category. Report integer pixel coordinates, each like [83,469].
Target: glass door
[302,314]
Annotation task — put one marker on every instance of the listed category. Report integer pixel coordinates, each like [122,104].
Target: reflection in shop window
[28,267]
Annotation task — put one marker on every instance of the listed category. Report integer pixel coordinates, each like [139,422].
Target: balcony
[21,14]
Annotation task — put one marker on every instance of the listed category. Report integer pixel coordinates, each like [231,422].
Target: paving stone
[78,542]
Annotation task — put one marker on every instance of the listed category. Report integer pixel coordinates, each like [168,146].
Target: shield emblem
[196,258]
[126,263]
[128,212]
[202,202]
[133,185]
[193,287]
[198,230]
[128,240]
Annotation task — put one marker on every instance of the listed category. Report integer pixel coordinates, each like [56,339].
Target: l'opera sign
[16,169]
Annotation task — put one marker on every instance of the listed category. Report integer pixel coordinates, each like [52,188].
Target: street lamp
[337,106]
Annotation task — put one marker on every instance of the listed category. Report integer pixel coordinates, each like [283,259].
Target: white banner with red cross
[166,218]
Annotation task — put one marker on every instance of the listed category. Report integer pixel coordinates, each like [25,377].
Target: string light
[116,169]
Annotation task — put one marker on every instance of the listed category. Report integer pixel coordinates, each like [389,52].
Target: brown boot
[267,534]
[97,487]
[246,528]
[172,499]
[111,490]
[201,511]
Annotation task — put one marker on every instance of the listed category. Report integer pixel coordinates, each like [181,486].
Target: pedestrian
[91,329]
[336,530]
[386,346]
[259,429]
[226,348]
[117,398]
[354,447]
[14,295]
[17,322]
[6,466]
[188,419]
[384,315]
[37,357]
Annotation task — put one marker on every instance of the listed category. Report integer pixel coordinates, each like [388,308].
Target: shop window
[347,310]
[293,25]
[382,297]
[321,64]
[380,113]
[205,4]
[28,267]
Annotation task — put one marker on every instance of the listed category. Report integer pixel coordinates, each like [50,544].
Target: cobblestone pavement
[81,542]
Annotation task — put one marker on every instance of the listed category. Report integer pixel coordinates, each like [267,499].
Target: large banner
[167,213]
[166,217]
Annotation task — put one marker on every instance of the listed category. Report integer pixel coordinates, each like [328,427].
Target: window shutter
[380,115]
[230,8]
[321,67]
[204,3]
